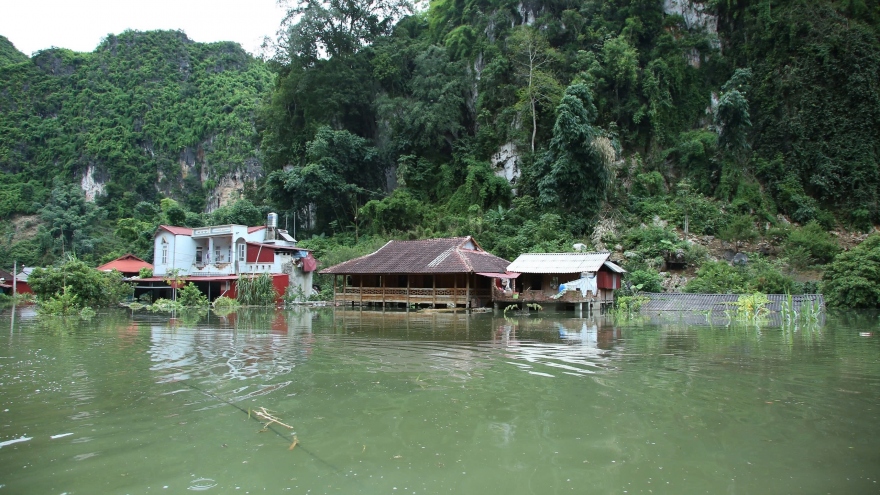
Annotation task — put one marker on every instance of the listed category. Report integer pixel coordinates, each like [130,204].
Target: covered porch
[467,290]
[544,289]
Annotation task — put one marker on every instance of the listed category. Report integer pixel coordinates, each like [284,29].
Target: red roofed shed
[129,265]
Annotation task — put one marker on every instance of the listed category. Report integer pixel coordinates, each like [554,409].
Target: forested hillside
[9,54]
[144,116]
[617,123]
[531,125]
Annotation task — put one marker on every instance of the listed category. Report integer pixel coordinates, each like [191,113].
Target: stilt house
[563,278]
[449,272]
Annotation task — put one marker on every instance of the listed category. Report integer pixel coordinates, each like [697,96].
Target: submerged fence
[721,302]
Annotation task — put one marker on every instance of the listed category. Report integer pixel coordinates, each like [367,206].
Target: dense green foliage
[622,122]
[256,291]
[9,54]
[145,114]
[810,246]
[189,296]
[75,279]
[852,280]
[719,277]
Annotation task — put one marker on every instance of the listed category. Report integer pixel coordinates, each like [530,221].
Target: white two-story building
[215,257]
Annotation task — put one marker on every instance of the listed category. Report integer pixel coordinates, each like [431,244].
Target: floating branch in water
[265,415]
[294,444]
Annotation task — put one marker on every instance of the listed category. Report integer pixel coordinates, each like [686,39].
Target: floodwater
[425,403]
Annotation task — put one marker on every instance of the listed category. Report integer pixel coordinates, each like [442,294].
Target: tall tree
[574,173]
[621,64]
[329,28]
[342,172]
[70,222]
[532,56]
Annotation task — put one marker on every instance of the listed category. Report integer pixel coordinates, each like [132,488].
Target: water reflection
[584,346]
[231,348]
[436,403]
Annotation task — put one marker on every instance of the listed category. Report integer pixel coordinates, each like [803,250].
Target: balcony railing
[409,296]
[211,270]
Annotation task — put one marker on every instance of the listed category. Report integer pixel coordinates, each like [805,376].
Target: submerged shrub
[162,304]
[61,304]
[190,296]
[256,291]
[225,303]
[73,276]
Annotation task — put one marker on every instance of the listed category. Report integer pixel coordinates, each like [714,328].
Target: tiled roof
[125,264]
[558,262]
[251,230]
[448,255]
[177,230]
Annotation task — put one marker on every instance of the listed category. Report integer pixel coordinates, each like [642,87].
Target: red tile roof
[177,230]
[126,264]
[449,255]
[251,230]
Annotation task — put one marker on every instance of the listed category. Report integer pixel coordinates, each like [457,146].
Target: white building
[222,253]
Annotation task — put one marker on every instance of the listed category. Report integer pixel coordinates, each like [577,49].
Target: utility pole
[14,278]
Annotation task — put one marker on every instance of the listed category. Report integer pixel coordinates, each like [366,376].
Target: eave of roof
[177,230]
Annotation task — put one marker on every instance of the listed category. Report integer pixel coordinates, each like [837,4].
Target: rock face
[506,163]
[91,187]
[228,189]
[693,12]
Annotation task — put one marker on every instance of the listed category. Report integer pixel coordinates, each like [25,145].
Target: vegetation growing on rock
[626,126]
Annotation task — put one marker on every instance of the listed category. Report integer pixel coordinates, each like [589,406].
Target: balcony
[443,296]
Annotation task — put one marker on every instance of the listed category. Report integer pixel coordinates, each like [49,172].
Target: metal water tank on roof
[272,220]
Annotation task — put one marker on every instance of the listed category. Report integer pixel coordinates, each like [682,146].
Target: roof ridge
[464,259]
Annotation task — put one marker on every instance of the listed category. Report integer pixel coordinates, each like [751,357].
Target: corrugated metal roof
[24,274]
[613,267]
[558,262]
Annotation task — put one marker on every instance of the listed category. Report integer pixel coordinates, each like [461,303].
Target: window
[217,255]
[164,251]
[241,251]
[198,255]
